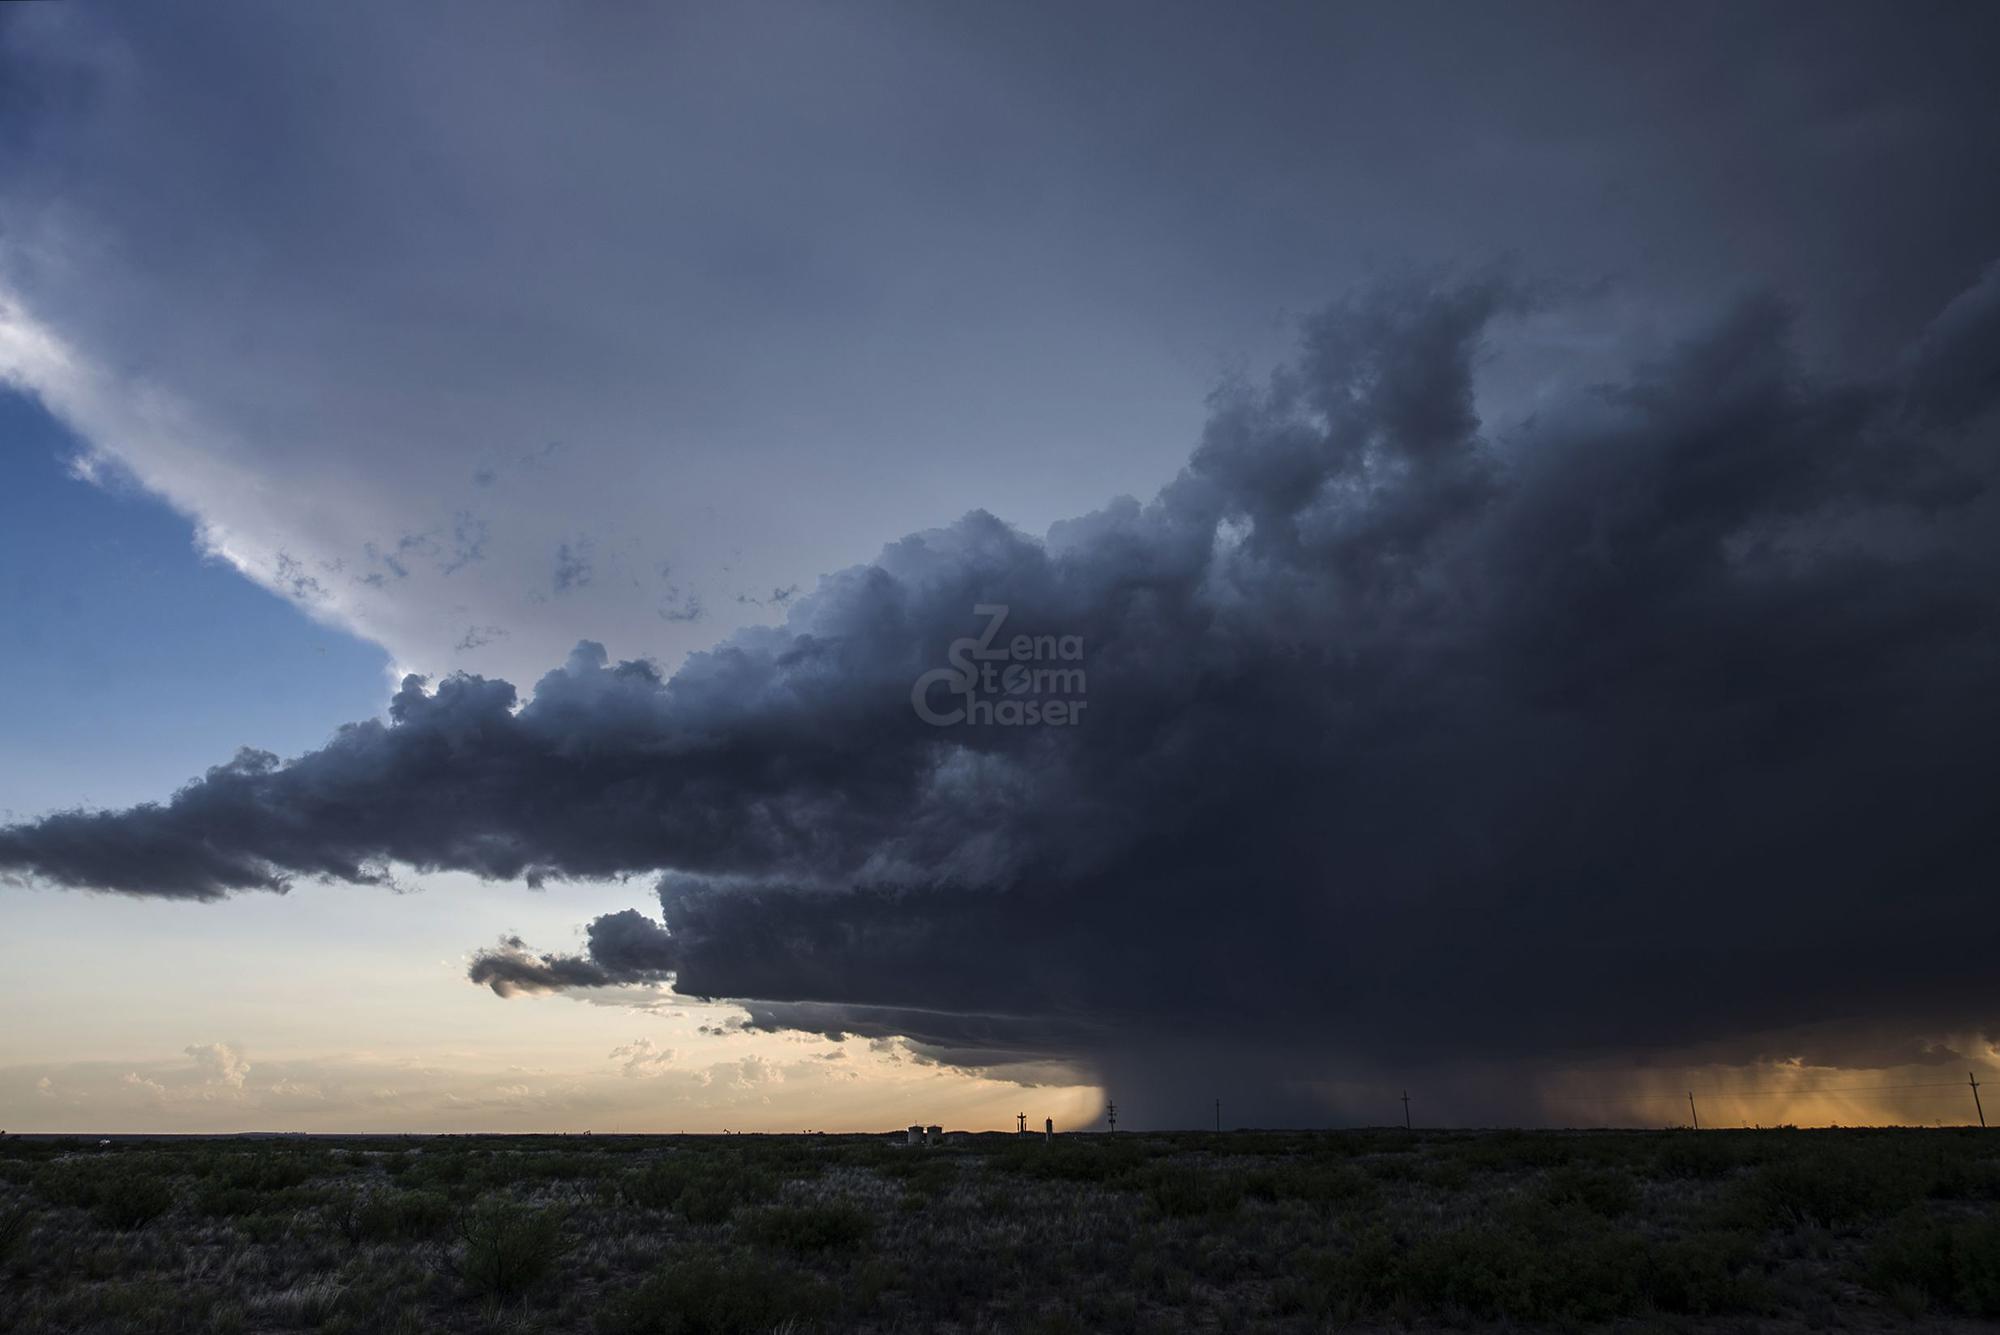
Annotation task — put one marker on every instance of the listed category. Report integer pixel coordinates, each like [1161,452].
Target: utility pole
[1218,1117]
[1406,1110]
[1692,1113]
[1020,1124]
[1111,1113]
[1973,1079]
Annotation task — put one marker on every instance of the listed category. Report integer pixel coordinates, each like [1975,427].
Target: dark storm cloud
[511,969]
[1665,718]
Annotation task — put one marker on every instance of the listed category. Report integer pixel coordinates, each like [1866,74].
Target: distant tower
[1111,1114]
[1048,1129]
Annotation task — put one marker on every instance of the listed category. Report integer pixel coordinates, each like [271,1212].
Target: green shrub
[1962,1180]
[714,1200]
[401,1216]
[133,1204]
[1482,1271]
[703,1189]
[119,1195]
[16,1224]
[924,1174]
[264,1227]
[1609,1193]
[436,1169]
[1445,1175]
[1696,1154]
[71,1182]
[1952,1266]
[817,1227]
[220,1201]
[1501,1151]
[267,1171]
[784,1158]
[1110,1162]
[1827,1189]
[1535,1262]
[703,1295]
[507,1250]
[387,1216]
[1185,1190]
[1709,1274]
[1322,1183]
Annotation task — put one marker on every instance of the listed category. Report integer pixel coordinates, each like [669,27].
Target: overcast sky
[1599,605]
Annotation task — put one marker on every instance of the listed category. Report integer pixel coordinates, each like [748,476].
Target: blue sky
[136,662]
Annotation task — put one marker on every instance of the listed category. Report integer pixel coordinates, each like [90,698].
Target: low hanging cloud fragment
[1665,720]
